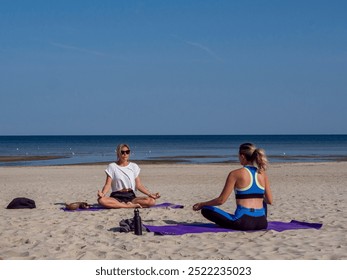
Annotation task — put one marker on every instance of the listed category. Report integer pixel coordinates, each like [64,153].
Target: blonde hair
[254,154]
[119,148]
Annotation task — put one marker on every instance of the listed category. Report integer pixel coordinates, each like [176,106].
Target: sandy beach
[310,192]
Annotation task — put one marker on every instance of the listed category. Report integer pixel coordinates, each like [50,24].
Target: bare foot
[133,205]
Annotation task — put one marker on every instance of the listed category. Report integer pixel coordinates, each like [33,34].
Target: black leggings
[246,222]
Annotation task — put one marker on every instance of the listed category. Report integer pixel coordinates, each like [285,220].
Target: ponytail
[260,159]
[254,154]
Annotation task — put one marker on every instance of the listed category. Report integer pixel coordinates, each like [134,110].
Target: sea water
[176,148]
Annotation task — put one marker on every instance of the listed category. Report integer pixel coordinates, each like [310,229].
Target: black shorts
[123,196]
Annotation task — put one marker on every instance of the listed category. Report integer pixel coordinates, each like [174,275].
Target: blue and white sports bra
[254,189]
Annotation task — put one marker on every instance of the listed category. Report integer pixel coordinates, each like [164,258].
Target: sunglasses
[125,152]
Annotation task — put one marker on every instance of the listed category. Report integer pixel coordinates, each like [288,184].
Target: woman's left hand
[154,195]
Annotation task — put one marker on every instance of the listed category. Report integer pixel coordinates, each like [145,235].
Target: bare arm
[144,190]
[106,187]
[222,198]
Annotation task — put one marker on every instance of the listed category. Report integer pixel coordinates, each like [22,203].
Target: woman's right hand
[100,194]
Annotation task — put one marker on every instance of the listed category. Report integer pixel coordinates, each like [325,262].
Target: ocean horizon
[42,150]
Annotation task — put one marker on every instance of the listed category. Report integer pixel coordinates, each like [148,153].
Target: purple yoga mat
[91,208]
[180,229]
[167,205]
[99,207]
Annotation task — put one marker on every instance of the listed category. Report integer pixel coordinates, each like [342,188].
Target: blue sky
[173,67]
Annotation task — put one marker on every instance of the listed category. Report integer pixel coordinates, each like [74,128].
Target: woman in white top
[123,178]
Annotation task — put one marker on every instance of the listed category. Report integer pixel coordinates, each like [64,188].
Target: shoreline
[167,160]
[28,158]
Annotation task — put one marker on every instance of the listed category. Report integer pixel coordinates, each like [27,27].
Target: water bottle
[137,222]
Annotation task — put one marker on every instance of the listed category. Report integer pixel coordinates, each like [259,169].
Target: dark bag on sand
[21,203]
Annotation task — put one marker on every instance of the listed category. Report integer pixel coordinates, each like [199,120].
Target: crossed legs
[138,202]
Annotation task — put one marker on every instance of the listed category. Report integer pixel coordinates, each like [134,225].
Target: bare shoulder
[237,172]
[263,178]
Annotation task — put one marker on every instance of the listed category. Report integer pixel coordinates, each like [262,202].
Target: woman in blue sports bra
[252,192]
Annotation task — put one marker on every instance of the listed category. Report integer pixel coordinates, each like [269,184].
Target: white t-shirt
[123,177]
